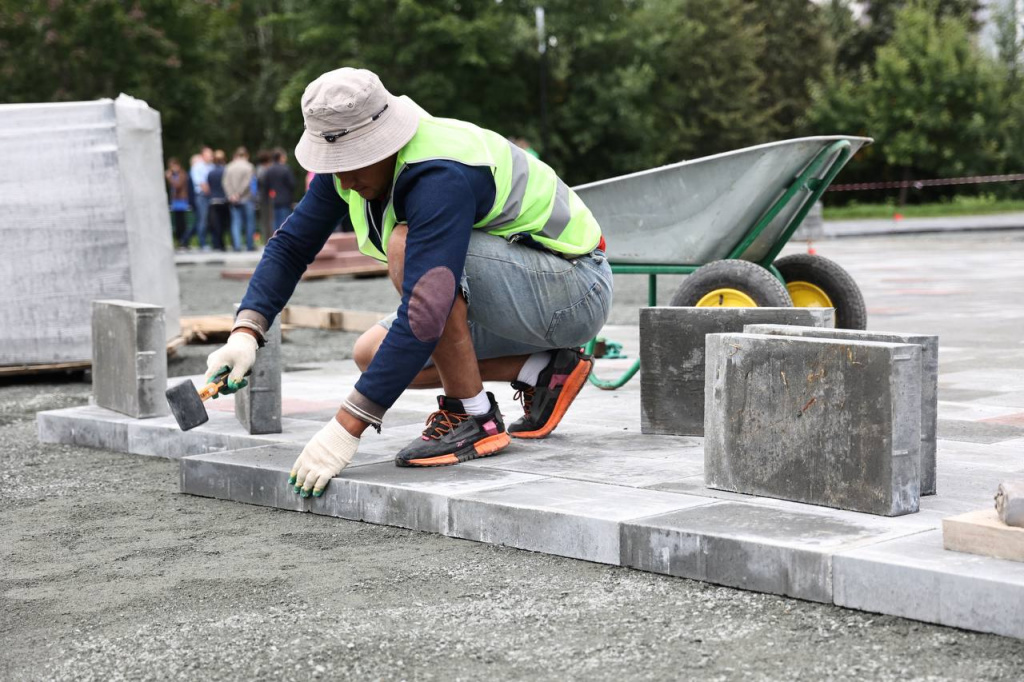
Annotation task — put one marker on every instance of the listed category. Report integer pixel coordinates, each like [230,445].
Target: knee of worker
[366,346]
[396,255]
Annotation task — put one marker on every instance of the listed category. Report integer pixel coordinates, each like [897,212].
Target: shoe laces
[442,422]
[524,394]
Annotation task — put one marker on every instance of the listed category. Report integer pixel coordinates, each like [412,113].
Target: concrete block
[129,358]
[833,423]
[672,358]
[602,455]
[914,577]
[929,379]
[370,489]
[88,426]
[83,217]
[746,546]
[567,518]
[258,405]
[97,427]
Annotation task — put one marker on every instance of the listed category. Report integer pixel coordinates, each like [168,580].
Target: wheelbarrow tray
[698,211]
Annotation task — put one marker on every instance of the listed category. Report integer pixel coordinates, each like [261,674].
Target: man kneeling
[500,265]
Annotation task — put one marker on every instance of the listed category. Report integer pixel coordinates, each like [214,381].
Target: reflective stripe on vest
[528,197]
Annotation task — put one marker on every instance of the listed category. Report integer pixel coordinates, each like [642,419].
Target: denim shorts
[523,300]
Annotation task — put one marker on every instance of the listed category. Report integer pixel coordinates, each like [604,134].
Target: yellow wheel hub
[807,295]
[726,298]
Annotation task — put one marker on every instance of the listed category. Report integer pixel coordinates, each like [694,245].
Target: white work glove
[237,355]
[328,452]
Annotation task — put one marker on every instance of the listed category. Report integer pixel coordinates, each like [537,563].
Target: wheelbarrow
[723,220]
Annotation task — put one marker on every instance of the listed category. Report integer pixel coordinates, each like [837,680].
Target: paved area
[966,223]
[110,570]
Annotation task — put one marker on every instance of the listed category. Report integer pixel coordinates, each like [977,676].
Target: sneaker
[452,436]
[545,404]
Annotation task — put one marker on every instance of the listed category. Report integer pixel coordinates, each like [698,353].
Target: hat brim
[362,147]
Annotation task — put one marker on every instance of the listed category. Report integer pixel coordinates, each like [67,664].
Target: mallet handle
[211,389]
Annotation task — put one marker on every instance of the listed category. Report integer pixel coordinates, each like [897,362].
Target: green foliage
[930,100]
[798,48]
[859,41]
[58,50]
[631,84]
[956,205]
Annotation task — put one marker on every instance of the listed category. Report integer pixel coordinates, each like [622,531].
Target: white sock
[478,404]
[530,373]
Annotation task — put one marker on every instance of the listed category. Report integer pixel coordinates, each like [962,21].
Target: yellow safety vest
[528,197]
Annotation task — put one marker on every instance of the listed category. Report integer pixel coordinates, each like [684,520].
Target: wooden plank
[74,366]
[371,269]
[981,532]
[312,317]
[207,328]
[174,344]
[360,320]
[44,368]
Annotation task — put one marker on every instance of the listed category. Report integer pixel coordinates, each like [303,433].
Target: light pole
[542,48]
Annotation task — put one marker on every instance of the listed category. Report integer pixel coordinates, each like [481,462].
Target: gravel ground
[107,573]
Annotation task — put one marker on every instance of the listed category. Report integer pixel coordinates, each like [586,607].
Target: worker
[500,266]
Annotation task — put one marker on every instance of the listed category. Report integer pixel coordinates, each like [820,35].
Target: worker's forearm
[352,424]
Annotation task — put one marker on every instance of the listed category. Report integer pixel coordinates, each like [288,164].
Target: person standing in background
[220,213]
[238,178]
[202,164]
[264,159]
[279,187]
[177,184]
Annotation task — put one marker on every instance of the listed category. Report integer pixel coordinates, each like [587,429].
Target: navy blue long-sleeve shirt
[440,201]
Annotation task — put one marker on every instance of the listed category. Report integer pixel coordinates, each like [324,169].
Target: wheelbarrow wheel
[731,284]
[817,282]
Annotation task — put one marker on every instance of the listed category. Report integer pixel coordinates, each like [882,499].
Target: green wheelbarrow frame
[808,180]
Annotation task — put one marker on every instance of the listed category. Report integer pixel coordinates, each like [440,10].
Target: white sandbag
[83,216]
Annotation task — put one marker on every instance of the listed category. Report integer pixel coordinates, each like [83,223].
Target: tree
[797,49]
[878,24]
[930,99]
[56,51]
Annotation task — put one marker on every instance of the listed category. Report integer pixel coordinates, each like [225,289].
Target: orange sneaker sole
[482,448]
[572,387]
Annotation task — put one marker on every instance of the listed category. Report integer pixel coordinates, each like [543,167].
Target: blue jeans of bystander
[243,214]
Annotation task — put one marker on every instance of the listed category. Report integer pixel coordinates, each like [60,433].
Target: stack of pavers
[340,256]
[792,408]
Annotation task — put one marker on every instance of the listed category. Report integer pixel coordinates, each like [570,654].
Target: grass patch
[956,206]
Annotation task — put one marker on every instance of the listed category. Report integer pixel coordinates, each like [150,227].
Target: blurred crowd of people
[232,204]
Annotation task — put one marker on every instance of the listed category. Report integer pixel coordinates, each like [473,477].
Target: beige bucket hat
[351,121]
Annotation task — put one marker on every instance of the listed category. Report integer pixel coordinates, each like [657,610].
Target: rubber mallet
[186,401]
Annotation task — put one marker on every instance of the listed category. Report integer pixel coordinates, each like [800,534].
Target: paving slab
[914,577]
[929,344]
[577,519]
[672,343]
[829,422]
[748,546]
[576,493]
[129,357]
[602,456]
[258,405]
[98,427]
[371,489]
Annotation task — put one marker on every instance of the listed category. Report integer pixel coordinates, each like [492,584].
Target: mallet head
[187,406]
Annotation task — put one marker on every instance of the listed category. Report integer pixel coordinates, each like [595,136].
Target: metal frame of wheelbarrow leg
[806,180]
